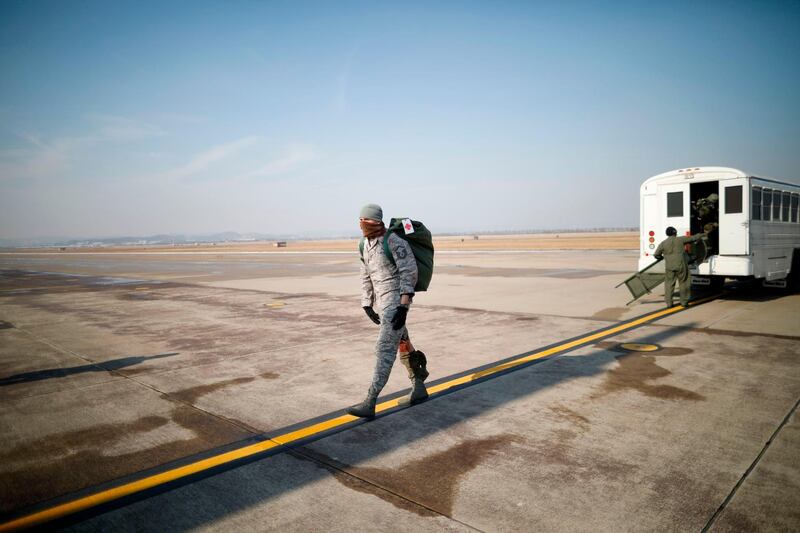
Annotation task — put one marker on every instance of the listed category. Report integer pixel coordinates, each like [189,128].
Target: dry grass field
[543,241]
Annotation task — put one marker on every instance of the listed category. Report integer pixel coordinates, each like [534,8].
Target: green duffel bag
[419,238]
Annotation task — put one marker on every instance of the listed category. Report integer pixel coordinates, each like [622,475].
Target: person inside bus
[676,264]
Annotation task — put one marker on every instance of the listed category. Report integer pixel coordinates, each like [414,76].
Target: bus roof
[731,172]
[699,174]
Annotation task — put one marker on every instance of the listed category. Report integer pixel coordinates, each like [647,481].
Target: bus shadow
[753,291]
[200,503]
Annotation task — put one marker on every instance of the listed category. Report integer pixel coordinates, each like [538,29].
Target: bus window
[776,205]
[733,199]
[786,200]
[755,209]
[767,205]
[795,201]
[675,204]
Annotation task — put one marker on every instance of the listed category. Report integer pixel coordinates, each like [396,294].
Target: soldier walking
[390,287]
[676,265]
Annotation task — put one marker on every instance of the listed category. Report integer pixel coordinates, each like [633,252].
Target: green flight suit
[676,266]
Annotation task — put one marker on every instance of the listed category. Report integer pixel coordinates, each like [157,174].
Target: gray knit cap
[372,212]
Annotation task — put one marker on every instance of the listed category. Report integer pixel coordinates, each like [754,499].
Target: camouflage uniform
[382,283]
[676,267]
[705,210]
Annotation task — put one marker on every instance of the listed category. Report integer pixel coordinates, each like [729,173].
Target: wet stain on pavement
[64,443]
[612,314]
[191,394]
[699,497]
[559,458]
[309,295]
[432,480]
[568,414]
[734,520]
[66,462]
[352,482]
[210,337]
[230,320]
[637,370]
[137,296]
[465,310]
[14,282]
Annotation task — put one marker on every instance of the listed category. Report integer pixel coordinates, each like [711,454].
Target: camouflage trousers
[386,351]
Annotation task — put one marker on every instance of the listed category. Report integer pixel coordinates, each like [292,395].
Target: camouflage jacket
[382,283]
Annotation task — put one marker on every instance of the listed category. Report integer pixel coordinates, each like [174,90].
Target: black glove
[399,318]
[372,314]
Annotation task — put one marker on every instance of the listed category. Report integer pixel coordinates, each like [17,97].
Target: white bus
[757,231]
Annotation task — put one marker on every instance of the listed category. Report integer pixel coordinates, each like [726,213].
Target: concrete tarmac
[111,366]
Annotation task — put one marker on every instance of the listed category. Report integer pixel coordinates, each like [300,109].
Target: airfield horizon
[611,240]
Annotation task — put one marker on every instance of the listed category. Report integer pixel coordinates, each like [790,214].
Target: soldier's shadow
[100,366]
[202,502]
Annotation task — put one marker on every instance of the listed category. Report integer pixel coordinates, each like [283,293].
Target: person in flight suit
[676,265]
[391,288]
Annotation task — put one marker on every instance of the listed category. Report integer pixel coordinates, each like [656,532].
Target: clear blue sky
[133,118]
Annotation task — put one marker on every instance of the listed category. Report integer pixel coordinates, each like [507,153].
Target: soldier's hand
[372,314]
[399,318]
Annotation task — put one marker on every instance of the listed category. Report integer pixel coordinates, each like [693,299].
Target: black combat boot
[365,409]
[416,364]
[418,393]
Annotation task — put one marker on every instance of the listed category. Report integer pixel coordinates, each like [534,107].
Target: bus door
[673,202]
[734,226]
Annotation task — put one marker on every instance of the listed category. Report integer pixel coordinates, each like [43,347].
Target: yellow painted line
[106,496]
[87,502]
[319,427]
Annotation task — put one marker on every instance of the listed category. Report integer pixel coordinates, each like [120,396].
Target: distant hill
[233,236]
[148,240]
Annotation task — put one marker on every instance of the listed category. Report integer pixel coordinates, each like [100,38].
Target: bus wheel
[793,279]
[717,283]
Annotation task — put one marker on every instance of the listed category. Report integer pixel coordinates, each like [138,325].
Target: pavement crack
[752,467]
[61,349]
[300,454]
[724,316]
